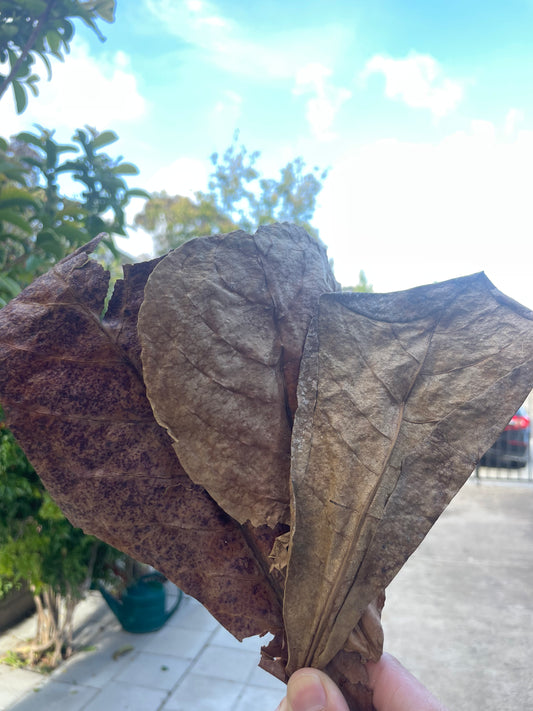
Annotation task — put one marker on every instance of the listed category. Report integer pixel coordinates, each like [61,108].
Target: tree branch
[27,47]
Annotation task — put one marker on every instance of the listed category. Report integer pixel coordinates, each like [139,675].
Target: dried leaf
[121,651]
[222,329]
[400,394]
[75,399]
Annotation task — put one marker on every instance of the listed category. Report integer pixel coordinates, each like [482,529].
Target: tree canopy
[238,196]
[31,29]
[39,224]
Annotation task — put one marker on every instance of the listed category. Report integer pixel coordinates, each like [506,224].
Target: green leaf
[54,40]
[8,32]
[72,208]
[50,243]
[13,58]
[46,63]
[104,139]
[29,160]
[138,192]
[30,81]
[68,32]
[30,138]
[95,225]
[101,8]
[65,148]
[106,10]
[125,169]
[12,191]
[13,172]
[36,7]
[75,235]
[11,196]
[3,144]
[21,100]
[10,285]
[15,219]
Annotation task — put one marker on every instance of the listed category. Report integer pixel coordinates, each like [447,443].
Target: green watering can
[142,605]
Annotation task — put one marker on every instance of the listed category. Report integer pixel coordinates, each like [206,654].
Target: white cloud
[99,91]
[326,99]
[184,176]
[418,80]
[512,119]
[138,243]
[298,57]
[243,50]
[413,213]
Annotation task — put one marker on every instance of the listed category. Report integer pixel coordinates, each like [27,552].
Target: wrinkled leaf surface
[222,329]
[74,396]
[400,395]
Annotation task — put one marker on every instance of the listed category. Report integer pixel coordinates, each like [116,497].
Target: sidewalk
[459,615]
[191,663]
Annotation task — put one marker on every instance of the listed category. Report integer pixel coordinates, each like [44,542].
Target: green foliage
[37,543]
[238,197]
[172,220]
[240,192]
[362,286]
[7,585]
[41,29]
[38,224]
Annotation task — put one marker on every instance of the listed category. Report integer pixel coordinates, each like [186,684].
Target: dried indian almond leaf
[222,329]
[74,397]
[400,394]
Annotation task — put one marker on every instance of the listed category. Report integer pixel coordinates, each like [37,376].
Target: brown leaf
[400,394]
[222,328]
[123,309]
[74,397]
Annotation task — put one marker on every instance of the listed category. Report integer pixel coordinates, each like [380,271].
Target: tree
[237,197]
[174,219]
[40,547]
[362,286]
[31,29]
[38,224]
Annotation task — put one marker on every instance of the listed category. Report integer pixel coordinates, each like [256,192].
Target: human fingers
[312,690]
[396,689]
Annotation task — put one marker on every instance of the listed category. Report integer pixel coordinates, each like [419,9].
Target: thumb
[312,690]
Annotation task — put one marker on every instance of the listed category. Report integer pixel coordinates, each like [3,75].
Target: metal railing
[510,458]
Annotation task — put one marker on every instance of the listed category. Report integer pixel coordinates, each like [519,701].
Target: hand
[312,690]
[395,689]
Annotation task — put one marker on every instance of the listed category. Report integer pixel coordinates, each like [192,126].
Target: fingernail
[306,693]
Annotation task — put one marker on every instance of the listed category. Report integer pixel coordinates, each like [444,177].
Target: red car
[511,449]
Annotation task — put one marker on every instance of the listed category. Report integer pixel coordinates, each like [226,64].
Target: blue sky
[422,111]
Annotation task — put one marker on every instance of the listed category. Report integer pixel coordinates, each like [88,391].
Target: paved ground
[459,615]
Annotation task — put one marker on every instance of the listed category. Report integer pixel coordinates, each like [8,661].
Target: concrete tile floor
[192,662]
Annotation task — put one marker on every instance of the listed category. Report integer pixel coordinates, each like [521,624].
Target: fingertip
[312,690]
[306,692]
[396,689]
